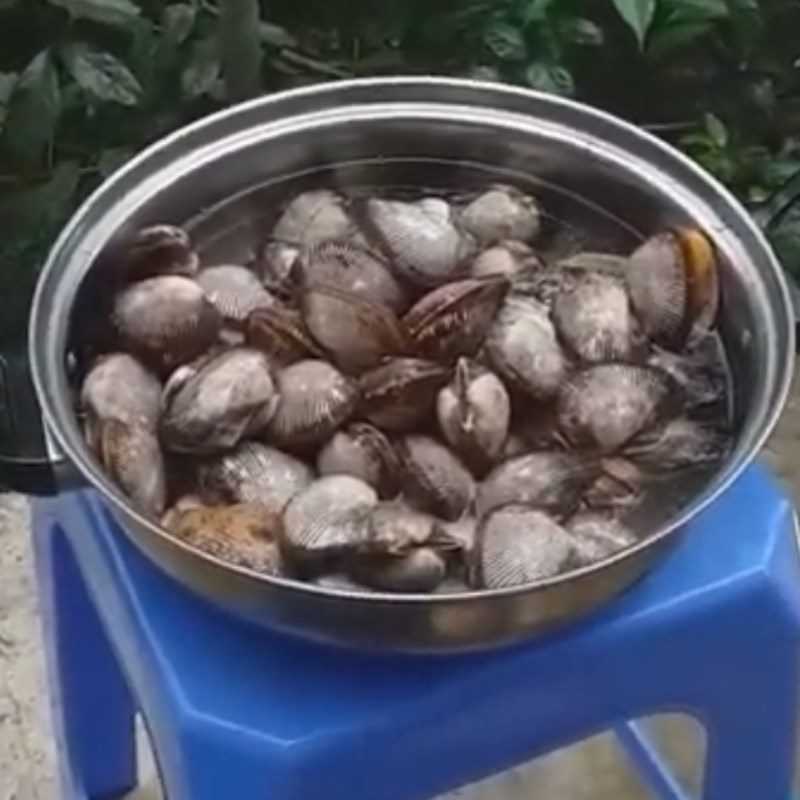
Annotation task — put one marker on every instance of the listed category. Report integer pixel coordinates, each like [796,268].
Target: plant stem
[240,48]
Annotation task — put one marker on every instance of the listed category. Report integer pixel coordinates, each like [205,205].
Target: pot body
[599,173]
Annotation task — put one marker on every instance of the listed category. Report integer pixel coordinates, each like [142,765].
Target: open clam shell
[502,212]
[598,535]
[234,291]
[312,217]
[281,333]
[158,250]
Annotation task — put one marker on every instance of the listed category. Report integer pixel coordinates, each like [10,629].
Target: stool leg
[92,707]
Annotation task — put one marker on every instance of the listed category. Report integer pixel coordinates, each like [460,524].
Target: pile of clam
[403,396]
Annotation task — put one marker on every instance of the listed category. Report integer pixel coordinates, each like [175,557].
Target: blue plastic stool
[242,714]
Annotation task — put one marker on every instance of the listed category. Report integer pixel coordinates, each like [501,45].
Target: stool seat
[239,712]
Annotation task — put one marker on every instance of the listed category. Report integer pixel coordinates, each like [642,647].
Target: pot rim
[41,365]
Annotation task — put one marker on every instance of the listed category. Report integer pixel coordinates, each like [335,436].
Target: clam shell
[549,480]
[281,333]
[167,320]
[119,387]
[606,405]
[395,529]
[352,269]
[158,250]
[618,486]
[315,399]
[328,518]
[420,570]
[459,535]
[312,217]
[230,396]
[274,265]
[678,444]
[509,259]
[588,261]
[598,535]
[594,321]
[422,242]
[502,212]
[454,319]
[474,413]
[132,457]
[234,291]
[401,393]
[255,474]
[523,348]
[363,451]
[243,535]
[434,479]
[358,333]
[519,545]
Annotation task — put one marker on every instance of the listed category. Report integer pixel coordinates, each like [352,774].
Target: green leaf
[33,109]
[275,36]
[505,41]
[696,10]
[638,15]
[110,12]
[7,82]
[112,159]
[203,69]
[665,39]
[101,75]
[580,30]
[552,78]
[536,11]
[177,22]
[716,130]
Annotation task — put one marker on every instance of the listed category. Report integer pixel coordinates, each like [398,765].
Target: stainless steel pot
[440,132]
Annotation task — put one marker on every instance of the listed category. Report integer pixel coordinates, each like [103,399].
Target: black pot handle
[29,462]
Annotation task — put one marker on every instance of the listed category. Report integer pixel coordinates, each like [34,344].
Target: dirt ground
[590,771]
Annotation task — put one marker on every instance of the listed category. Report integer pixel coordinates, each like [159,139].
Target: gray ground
[590,771]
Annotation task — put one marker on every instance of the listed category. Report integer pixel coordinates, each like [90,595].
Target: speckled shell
[434,478]
[281,333]
[523,348]
[420,570]
[422,242]
[358,333]
[167,320]
[401,393]
[502,212]
[454,319]
[255,474]
[549,480]
[606,405]
[158,250]
[234,291]
[510,259]
[230,396]
[518,545]
[594,321]
[678,444]
[243,535]
[312,217]
[315,399]
[598,535]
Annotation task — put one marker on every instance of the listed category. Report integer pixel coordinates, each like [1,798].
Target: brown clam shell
[158,250]
[358,333]
[401,393]
[281,333]
[454,319]
[167,320]
[234,291]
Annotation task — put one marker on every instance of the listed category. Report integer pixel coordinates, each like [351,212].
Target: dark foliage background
[86,83]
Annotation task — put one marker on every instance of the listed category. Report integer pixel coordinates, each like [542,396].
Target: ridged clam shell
[328,518]
[315,399]
[234,291]
[132,457]
[598,535]
[423,244]
[395,528]
[420,570]
[255,474]
[159,250]
[510,259]
[594,320]
[523,348]
[358,333]
[502,212]
[312,217]
[679,444]
[243,535]
[363,451]
[274,265]
[474,413]
[618,486]
[548,480]
[434,479]
[167,320]
[119,387]
[606,405]
[230,396]
[281,333]
[401,393]
[352,269]
[519,545]
[454,319]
